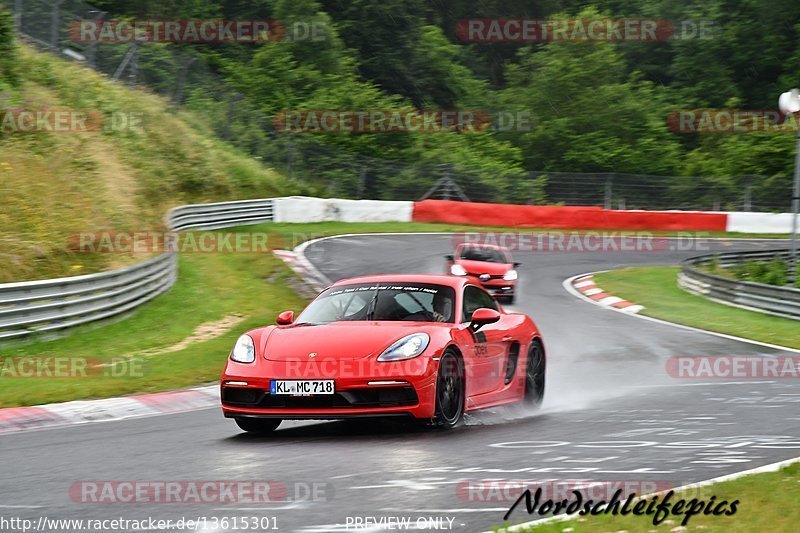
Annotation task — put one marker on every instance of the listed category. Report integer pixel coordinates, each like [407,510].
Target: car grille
[354,398]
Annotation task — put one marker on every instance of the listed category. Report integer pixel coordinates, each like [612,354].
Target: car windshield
[382,301]
[480,253]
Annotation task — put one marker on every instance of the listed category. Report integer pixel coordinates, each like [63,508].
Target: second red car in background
[490,265]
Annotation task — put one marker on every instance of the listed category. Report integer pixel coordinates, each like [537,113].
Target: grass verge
[767,502]
[656,288]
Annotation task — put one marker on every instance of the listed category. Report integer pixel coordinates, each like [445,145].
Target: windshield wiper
[371,306]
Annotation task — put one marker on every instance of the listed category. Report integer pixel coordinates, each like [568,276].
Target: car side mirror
[483,316]
[285,318]
[517,265]
[449,257]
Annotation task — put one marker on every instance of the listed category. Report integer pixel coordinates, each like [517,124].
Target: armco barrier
[220,215]
[781,301]
[57,304]
[565,217]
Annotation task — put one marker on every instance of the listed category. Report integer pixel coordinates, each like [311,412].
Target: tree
[9,74]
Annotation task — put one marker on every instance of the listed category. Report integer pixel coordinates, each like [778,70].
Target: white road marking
[21,506]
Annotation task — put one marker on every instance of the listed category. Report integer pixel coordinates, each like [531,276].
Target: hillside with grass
[146,157]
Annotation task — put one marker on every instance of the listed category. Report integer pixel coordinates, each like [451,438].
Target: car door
[488,345]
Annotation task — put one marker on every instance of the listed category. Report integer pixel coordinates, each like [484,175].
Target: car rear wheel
[258,426]
[535,375]
[449,391]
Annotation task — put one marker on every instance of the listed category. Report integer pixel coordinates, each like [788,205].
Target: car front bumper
[362,388]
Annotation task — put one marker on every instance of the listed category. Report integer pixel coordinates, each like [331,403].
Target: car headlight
[511,275]
[458,270]
[406,348]
[244,351]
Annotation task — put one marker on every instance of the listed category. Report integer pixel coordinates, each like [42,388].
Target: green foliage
[9,75]
[772,272]
[591,115]
[713,264]
[593,106]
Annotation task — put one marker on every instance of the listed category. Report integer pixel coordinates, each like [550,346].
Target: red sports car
[491,265]
[425,346]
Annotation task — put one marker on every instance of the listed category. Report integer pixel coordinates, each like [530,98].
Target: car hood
[337,340]
[484,267]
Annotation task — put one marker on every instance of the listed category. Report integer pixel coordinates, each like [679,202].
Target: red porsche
[491,265]
[424,346]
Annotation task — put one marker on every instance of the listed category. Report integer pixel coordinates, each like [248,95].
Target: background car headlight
[406,348]
[511,275]
[458,270]
[245,350]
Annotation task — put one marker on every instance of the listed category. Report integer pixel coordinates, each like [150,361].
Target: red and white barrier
[760,222]
[307,209]
[597,218]
[566,217]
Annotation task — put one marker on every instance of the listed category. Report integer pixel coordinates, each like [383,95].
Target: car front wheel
[258,426]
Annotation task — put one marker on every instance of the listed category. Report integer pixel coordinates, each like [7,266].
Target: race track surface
[611,413]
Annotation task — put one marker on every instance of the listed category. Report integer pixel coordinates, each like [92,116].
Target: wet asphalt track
[610,414]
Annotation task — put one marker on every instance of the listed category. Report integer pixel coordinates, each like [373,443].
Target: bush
[756,270]
[773,272]
[776,272]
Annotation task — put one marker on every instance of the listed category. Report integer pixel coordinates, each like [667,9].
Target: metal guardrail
[220,215]
[52,305]
[771,299]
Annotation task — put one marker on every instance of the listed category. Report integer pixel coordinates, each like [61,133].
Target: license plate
[307,387]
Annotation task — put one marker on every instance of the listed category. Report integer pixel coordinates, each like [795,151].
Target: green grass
[656,288]
[54,185]
[767,502]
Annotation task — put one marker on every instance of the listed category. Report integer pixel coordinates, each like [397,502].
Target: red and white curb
[586,286]
[64,414]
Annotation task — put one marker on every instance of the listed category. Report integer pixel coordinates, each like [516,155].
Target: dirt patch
[202,333]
